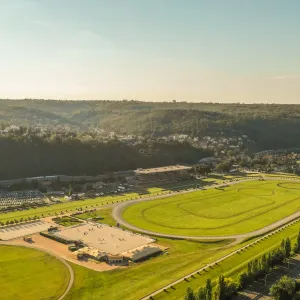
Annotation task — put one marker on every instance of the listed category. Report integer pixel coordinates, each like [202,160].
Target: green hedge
[55,238]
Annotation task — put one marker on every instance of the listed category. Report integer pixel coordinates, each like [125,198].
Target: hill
[268,125]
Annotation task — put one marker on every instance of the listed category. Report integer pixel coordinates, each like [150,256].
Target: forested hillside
[26,154]
[269,126]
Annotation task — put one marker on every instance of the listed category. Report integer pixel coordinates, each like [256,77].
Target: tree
[243,280]
[190,294]
[226,288]
[208,290]
[297,244]
[223,167]
[201,294]
[283,289]
[287,248]
[220,289]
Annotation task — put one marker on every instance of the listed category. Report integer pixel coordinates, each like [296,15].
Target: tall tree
[283,289]
[190,295]
[287,247]
[208,290]
[220,291]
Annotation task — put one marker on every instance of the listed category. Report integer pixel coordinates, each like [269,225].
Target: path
[119,208]
[71,272]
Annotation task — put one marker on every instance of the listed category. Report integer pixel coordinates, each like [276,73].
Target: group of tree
[260,267]
[21,220]
[269,126]
[285,288]
[226,288]
[62,154]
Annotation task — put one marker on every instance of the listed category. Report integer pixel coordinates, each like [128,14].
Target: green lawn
[68,206]
[140,279]
[184,257]
[105,213]
[236,209]
[232,266]
[66,221]
[87,203]
[28,274]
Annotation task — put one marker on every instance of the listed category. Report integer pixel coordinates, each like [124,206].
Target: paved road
[215,262]
[119,208]
[71,281]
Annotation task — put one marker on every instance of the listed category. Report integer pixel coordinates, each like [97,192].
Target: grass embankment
[140,279]
[236,209]
[28,274]
[232,266]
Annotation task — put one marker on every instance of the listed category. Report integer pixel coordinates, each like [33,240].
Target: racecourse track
[265,203]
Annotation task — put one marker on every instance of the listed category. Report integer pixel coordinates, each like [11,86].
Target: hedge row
[55,238]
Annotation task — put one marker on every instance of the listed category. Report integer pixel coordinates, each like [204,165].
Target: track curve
[119,208]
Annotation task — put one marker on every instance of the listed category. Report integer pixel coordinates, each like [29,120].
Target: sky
[151,50]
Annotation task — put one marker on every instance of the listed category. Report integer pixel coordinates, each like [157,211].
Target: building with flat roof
[176,168]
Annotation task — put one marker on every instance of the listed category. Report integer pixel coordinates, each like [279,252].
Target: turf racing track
[244,209]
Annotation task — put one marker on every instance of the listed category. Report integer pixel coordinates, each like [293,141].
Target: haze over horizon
[201,51]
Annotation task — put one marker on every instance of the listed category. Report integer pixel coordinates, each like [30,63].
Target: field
[184,257]
[140,279]
[232,266]
[236,209]
[28,274]
[67,207]
[72,206]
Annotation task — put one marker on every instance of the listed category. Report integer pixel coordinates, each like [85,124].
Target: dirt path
[119,208]
[71,281]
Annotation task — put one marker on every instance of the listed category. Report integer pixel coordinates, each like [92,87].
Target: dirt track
[118,210]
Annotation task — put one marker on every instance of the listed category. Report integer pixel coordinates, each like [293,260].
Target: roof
[143,252]
[114,257]
[162,169]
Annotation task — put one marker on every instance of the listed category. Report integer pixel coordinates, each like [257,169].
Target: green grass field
[183,258]
[71,206]
[232,266]
[28,274]
[105,213]
[140,279]
[236,209]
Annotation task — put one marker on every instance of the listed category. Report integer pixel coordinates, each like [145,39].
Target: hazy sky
[156,50]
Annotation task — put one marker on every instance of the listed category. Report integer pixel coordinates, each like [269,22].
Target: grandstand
[162,175]
[21,199]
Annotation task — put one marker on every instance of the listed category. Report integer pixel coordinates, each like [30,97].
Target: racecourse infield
[232,211]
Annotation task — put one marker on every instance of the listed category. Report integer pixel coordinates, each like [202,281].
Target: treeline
[269,126]
[226,288]
[29,154]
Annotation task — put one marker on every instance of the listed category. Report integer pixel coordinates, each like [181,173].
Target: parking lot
[15,231]
[260,288]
